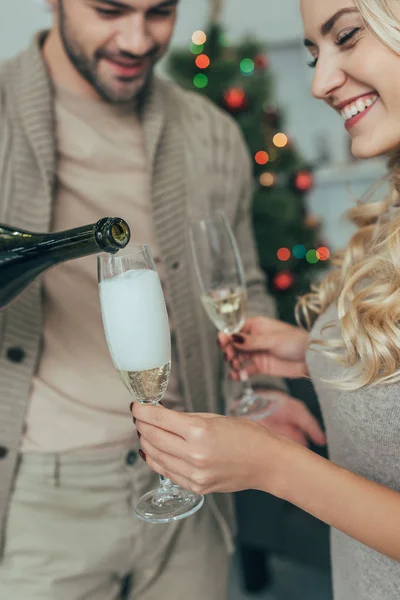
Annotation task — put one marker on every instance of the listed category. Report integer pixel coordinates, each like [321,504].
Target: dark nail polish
[142,455]
[131,406]
[238,339]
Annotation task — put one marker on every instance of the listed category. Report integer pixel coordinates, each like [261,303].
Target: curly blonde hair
[365,279]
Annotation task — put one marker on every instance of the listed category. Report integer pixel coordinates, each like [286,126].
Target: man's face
[114,44]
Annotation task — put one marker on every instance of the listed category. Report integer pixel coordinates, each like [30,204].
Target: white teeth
[360,105]
[351,110]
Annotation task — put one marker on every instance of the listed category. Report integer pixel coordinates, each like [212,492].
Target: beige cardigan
[199,162]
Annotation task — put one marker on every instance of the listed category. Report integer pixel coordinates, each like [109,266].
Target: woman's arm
[362,509]
[209,453]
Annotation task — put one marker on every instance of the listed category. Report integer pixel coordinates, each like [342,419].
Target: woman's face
[355,74]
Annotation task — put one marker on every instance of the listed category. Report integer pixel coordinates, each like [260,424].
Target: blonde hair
[365,279]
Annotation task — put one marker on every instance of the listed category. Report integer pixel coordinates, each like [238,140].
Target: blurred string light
[323,253]
[300,252]
[311,257]
[247,66]
[261,157]
[196,48]
[202,61]
[304,181]
[284,254]
[199,38]
[200,81]
[235,99]
[280,140]
[267,179]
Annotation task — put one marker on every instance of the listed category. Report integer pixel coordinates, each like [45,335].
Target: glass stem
[246,385]
[165,484]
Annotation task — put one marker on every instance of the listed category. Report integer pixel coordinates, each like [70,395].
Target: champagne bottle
[24,255]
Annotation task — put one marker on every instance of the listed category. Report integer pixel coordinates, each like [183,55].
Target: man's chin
[123,90]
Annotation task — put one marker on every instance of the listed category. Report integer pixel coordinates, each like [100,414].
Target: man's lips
[126,69]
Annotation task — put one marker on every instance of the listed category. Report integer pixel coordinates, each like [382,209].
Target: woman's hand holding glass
[268,347]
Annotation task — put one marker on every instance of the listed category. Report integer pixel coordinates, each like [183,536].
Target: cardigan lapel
[34,129]
[170,208]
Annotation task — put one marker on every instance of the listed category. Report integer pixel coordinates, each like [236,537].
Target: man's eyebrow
[124,6]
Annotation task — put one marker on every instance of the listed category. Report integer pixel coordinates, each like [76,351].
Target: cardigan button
[16,354]
[131,458]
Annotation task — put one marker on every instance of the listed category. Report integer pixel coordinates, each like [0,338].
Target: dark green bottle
[24,255]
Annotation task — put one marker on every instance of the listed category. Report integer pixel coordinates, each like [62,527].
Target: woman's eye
[347,36]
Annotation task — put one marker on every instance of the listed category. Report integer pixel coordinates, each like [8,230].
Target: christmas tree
[237,78]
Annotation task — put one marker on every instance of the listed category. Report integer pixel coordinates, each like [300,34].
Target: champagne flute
[137,331]
[221,279]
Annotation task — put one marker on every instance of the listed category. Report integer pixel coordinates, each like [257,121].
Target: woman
[354,318]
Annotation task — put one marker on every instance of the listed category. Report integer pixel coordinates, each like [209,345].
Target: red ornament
[283,281]
[261,62]
[303,181]
[235,99]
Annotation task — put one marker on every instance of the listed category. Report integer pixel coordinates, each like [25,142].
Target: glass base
[165,506]
[254,407]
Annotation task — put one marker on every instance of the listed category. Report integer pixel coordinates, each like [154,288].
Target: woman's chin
[366,147]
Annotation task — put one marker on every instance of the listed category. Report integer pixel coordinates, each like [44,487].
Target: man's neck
[61,70]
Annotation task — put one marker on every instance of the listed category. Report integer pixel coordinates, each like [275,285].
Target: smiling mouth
[355,108]
[127,70]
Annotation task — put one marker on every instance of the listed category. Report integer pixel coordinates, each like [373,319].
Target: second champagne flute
[220,275]
[137,331]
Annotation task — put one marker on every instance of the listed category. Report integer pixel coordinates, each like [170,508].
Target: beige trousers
[72,535]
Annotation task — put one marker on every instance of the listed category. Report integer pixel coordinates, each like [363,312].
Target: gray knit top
[363,430]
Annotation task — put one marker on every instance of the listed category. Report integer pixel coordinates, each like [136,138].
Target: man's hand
[292,419]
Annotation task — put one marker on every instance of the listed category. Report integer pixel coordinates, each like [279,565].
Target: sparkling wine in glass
[221,279]
[138,336]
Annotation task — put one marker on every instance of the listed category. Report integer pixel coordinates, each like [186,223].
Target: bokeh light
[267,179]
[280,140]
[199,37]
[200,80]
[323,253]
[202,61]
[261,157]
[196,49]
[283,254]
[299,251]
[247,66]
[312,257]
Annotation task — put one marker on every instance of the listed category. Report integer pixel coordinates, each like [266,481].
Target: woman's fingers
[159,438]
[177,469]
[176,478]
[161,417]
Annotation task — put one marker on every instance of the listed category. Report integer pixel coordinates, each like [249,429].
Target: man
[86,130]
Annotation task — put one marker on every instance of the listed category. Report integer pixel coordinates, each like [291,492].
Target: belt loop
[57,471]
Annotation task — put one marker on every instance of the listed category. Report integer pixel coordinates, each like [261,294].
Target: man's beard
[88,68]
